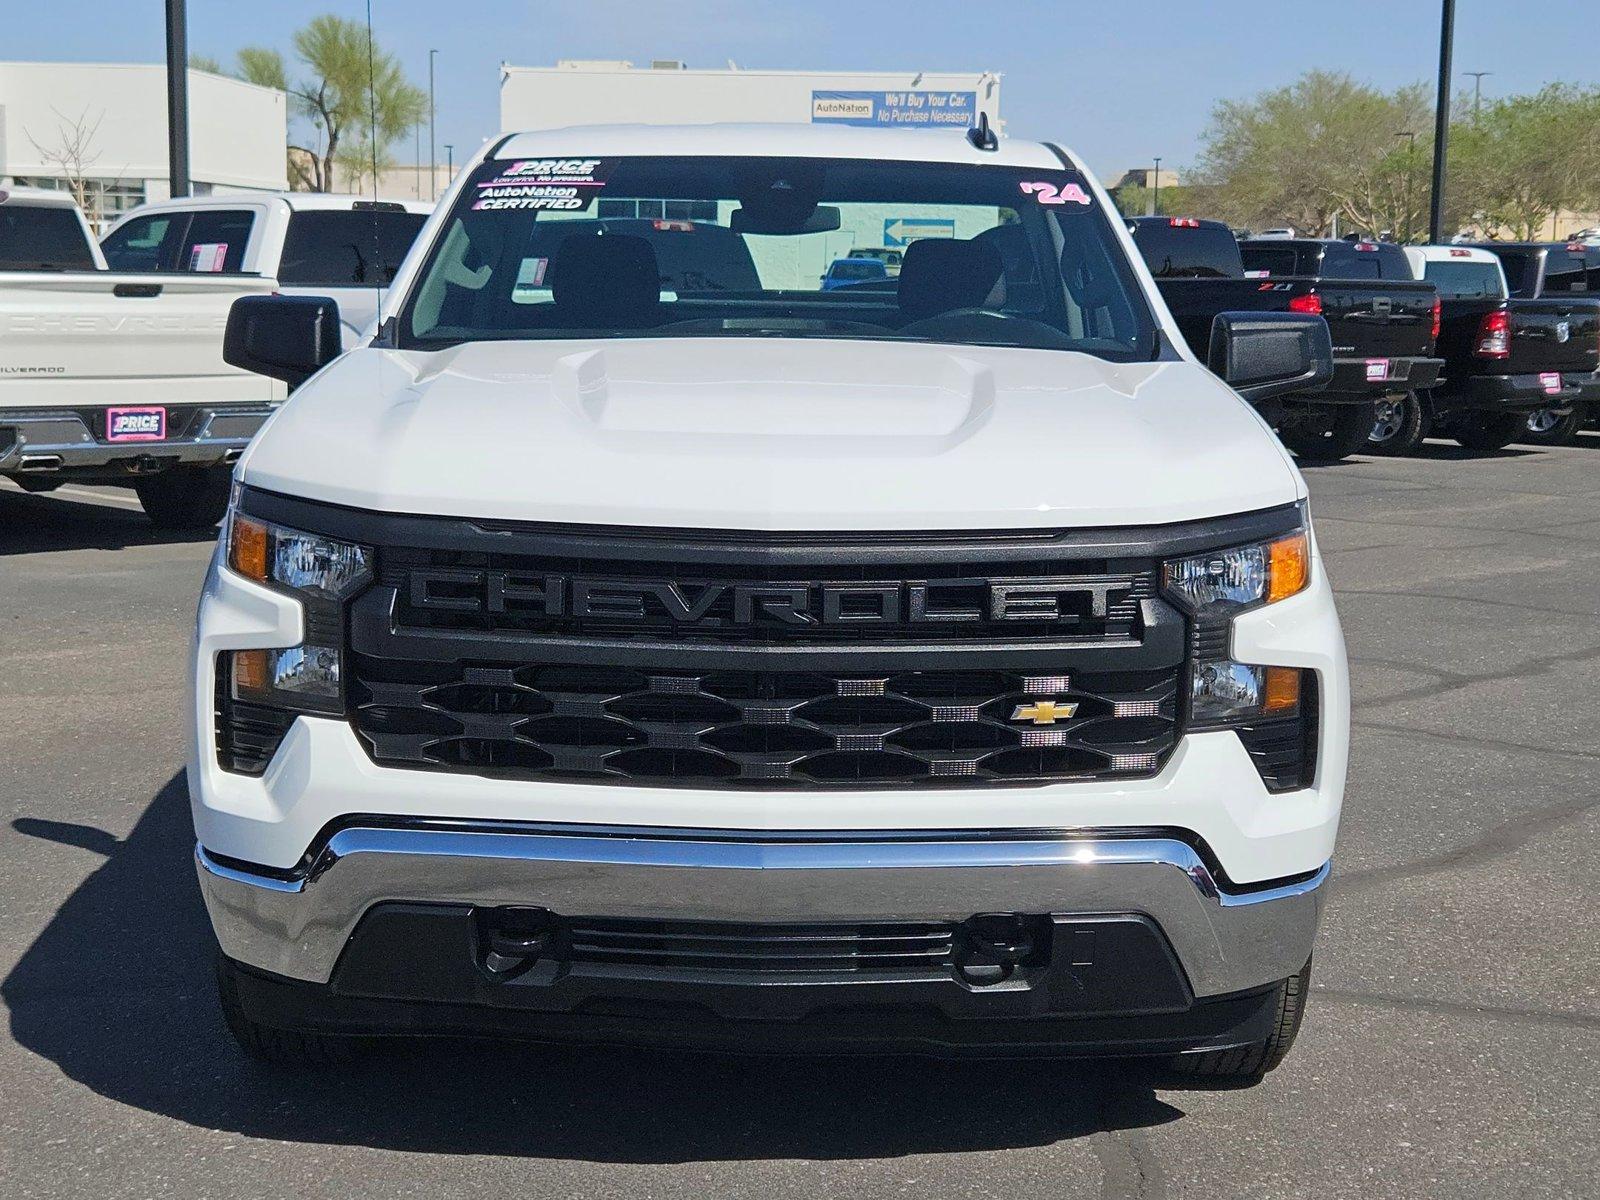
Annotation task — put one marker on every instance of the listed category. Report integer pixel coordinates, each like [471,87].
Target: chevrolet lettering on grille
[720,605]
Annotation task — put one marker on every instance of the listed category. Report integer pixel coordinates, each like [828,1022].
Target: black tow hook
[991,946]
[516,938]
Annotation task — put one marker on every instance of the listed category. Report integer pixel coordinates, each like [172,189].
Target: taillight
[1438,316]
[1309,303]
[1494,335]
[1366,247]
[1183,222]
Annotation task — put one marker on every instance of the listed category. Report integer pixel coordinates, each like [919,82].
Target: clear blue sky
[1120,82]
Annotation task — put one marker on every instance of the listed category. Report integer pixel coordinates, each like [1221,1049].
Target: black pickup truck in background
[1382,327]
[1504,358]
[1565,275]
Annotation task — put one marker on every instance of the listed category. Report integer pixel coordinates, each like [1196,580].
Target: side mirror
[1265,354]
[286,337]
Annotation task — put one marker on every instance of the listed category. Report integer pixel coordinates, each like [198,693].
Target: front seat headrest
[606,280]
[938,275]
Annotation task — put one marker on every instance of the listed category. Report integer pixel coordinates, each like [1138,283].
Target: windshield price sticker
[1050,193]
[551,184]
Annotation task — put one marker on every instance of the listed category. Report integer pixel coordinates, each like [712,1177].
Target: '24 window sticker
[544,184]
[1050,193]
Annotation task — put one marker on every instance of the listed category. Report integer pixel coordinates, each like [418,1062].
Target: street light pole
[1441,122]
[177,98]
[433,158]
[1411,160]
[449,163]
[1155,195]
[1477,92]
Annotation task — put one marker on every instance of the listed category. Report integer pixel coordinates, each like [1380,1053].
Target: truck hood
[772,434]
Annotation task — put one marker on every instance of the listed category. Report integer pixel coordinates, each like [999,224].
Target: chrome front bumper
[296,926]
[45,441]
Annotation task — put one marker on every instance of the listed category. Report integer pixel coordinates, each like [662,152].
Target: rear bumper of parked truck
[1522,393]
[68,444]
[1121,942]
[1357,380]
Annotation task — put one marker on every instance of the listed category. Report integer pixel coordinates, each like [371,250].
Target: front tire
[1547,428]
[268,1044]
[1398,426]
[1246,1066]
[1329,434]
[1487,432]
[185,497]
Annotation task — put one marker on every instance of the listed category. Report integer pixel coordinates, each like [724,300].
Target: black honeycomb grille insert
[750,728]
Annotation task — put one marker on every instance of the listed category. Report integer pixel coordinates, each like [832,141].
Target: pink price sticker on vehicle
[1550,381]
[1377,370]
[136,424]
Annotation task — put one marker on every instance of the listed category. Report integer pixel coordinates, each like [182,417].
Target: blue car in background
[847,272]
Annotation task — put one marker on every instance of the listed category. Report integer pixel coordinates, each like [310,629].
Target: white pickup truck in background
[110,377]
[345,247]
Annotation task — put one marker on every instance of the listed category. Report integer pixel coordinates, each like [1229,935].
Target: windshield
[756,247]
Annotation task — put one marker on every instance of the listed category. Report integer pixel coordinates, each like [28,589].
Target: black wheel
[185,497]
[1549,428]
[1246,1066]
[1398,425]
[1328,434]
[1488,431]
[280,1047]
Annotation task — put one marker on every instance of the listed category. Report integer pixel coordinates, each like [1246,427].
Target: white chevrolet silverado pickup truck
[633,641]
[110,377]
[346,247]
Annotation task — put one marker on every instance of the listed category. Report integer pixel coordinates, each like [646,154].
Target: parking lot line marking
[121,501]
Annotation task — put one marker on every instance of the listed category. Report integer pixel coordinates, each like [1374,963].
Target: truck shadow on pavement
[117,992]
[49,521]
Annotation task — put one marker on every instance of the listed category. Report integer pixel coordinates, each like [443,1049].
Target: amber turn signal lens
[1289,568]
[247,548]
[1280,692]
[249,669]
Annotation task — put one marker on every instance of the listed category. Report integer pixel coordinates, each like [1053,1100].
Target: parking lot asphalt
[1452,1044]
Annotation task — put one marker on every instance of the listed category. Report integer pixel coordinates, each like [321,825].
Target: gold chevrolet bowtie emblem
[1044,712]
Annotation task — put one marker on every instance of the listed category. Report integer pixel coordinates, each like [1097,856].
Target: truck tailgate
[1379,319]
[1556,334]
[97,338]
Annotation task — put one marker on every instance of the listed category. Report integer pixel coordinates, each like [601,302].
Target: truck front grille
[758,728]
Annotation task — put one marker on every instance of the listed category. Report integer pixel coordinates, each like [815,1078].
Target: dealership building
[106,125]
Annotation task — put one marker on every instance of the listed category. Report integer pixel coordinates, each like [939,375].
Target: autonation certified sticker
[551,184]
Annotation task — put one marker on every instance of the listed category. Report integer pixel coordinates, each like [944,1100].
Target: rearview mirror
[825,218]
[1265,354]
[285,337]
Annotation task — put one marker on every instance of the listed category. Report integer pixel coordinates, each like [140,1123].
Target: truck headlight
[1225,582]
[1272,708]
[305,563]
[322,573]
